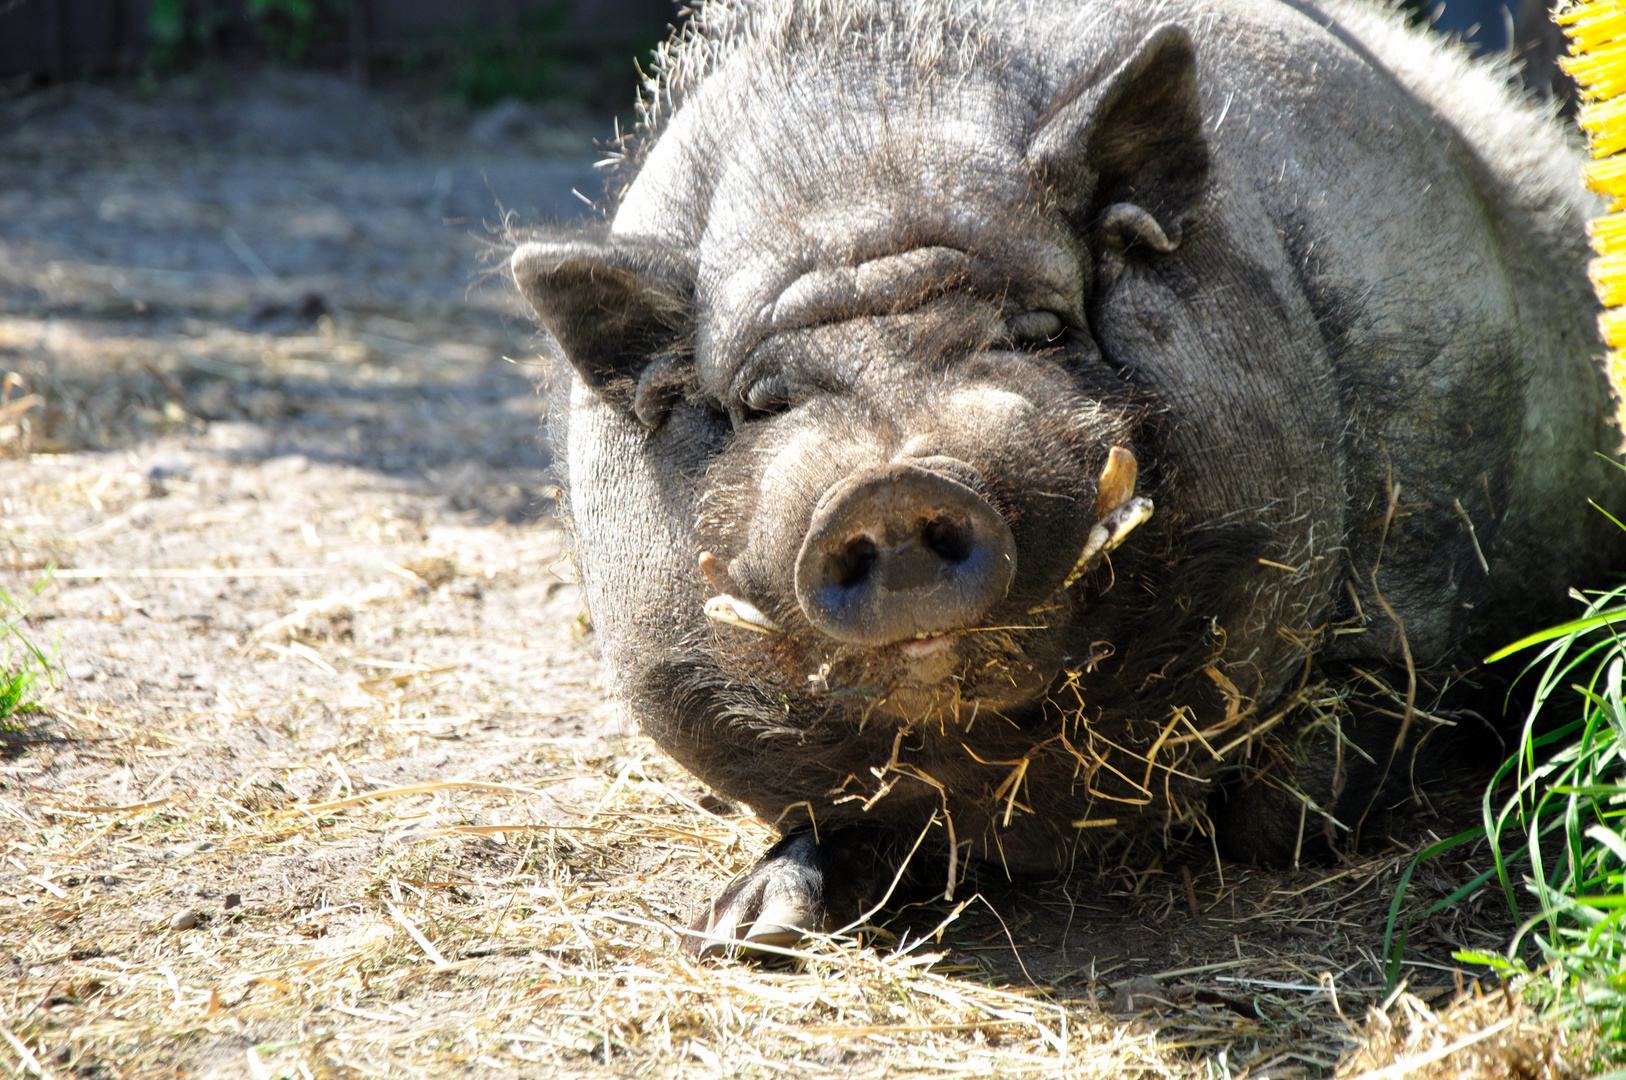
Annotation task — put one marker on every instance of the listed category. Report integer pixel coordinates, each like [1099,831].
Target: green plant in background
[166,26]
[289,28]
[22,663]
[488,65]
[181,31]
[539,59]
[542,55]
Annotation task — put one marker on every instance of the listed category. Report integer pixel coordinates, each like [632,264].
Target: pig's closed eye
[768,396]
[765,396]
[1035,327]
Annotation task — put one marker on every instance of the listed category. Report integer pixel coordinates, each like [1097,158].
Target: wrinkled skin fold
[980,426]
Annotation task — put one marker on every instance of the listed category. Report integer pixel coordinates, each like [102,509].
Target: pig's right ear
[618,312]
[1124,153]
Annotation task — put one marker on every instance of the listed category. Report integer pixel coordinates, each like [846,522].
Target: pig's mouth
[924,647]
[949,643]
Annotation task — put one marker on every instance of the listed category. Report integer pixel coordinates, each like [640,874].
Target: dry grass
[491,934]
[480,940]
[1480,1036]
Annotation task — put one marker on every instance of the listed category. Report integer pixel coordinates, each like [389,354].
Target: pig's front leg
[800,885]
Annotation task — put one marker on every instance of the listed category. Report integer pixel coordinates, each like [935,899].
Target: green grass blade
[1579,626]
[1394,946]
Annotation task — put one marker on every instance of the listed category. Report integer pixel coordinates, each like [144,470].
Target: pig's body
[884,268]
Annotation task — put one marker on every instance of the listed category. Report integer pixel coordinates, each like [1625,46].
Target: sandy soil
[281,515]
[260,324]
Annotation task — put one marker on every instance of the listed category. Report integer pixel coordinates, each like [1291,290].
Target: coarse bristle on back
[1597,63]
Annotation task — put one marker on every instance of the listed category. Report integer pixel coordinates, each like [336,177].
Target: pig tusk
[731,609]
[715,572]
[742,613]
[1116,485]
[1118,512]
[1108,533]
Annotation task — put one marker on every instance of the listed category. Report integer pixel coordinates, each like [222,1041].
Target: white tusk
[1116,485]
[742,613]
[1108,533]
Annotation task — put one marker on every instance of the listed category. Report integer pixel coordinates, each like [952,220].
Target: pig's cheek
[988,415]
[795,477]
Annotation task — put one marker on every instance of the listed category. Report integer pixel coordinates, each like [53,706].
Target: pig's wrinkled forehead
[808,205]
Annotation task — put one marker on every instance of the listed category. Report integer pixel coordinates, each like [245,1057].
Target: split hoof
[775,904]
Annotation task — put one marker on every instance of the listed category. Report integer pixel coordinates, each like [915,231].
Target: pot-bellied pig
[997,431]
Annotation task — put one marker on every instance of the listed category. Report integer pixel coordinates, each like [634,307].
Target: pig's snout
[897,552]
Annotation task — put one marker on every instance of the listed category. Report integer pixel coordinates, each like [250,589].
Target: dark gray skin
[884,290]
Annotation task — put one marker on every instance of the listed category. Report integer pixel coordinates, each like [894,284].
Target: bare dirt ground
[326,783]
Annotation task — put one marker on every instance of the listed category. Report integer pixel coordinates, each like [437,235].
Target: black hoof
[775,903]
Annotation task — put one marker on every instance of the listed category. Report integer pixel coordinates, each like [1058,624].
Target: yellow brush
[1597,62]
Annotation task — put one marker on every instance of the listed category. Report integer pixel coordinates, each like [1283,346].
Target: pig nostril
[950,540]
[852,563]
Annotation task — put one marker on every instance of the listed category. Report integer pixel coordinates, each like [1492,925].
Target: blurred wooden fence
[59,39]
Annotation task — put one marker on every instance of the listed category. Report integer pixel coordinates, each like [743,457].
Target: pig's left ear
[1125,155]
[618,312]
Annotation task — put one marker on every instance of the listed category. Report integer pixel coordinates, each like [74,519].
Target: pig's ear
[618,312]
[1125,154]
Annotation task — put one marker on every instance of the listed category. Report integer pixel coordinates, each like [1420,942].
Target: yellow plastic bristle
[1608,233]
[1608,273]
[1606,142]
[1612,328]
[1603,130]
[1597,33]
[1598,29]
[1574,13]
[1607,177]
[1601,73]
[1602,115]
